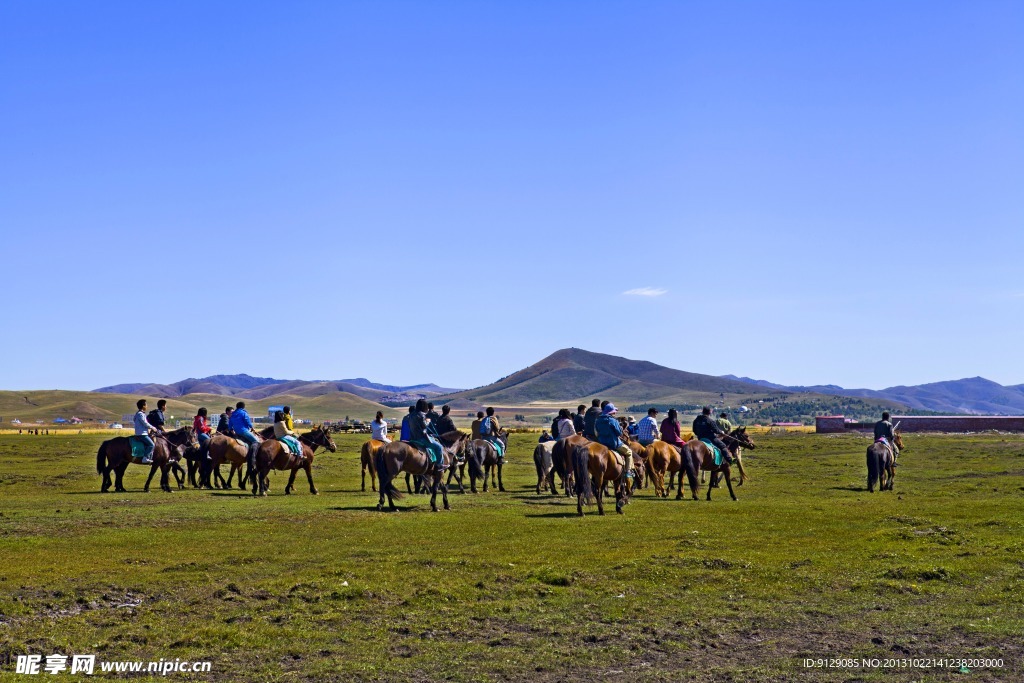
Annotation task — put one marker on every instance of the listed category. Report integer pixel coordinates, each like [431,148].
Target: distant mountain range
[256,388]
[574,375]
[974,395]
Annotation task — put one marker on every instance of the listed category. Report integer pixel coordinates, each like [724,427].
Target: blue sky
[804,192]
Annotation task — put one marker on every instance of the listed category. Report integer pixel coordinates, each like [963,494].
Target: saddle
[715,450]
[430,460]
[888,446]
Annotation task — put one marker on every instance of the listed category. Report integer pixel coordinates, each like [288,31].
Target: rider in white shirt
[380,428]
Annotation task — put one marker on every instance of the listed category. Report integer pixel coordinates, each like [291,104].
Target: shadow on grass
[858,489]
[556,515]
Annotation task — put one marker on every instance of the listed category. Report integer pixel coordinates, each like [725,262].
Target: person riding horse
[445,423]
[884,432]
[142,430]
[609,435]
[242,425]
[489,432]
[706,429]
[423,436]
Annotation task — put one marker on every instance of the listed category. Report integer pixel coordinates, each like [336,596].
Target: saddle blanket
[138,448]
[497,447]
[715,450]
[292,444]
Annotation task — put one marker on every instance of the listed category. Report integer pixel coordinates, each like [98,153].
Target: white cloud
[645,291]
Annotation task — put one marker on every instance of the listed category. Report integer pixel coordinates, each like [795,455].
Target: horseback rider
[432,415]
[224,423]
[705,428]
[288,420]
[489,430]
[404,434]
[202,429]
[723,422]
[609,434]
[647,428]
[545,437]
[241,424]
[884,432]
[475,429]
[379,428]
[577,419]
[142,430]
[286,435]
[565,428]
[672,430]
[156,416]
[445,424]
[589,418]
[421,434]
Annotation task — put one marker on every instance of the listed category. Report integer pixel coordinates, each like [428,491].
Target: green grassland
[513,586]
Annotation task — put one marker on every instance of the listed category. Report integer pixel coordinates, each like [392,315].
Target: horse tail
[580,463]
[476,470]
[101,458]
[873,467]
[538,460]
[691,469]
[383,476]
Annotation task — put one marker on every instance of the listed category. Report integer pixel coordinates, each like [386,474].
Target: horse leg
[363,468]
[119,478]
[728,481]
[501,484]
[487,469]
[599,491]
[620,496]
[165,478]
[152,471]
[105,486]
[444,495]
[408,486]
[433,491]
[710,486]
[308,466]
[291,482]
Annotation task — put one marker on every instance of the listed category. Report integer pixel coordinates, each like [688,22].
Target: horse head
[321,436]
[740,434]
[898,438]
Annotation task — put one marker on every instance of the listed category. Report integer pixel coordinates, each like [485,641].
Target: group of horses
[585,467]
[172,447]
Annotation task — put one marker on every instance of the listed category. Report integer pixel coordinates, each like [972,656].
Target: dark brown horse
[274,455]
[116,454]
[561,460]
[399,456]
[882,464]
[662,458]
[734,441]
[593,465]
[483,457]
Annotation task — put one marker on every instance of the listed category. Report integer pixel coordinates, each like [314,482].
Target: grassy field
[513,586]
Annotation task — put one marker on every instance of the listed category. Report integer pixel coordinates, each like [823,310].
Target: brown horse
[593,465]
[274,455]
[228,449]
[482,457]
[663,457]
[882,464]
[116,454]
[734,440]
[367,455]
[399,456]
